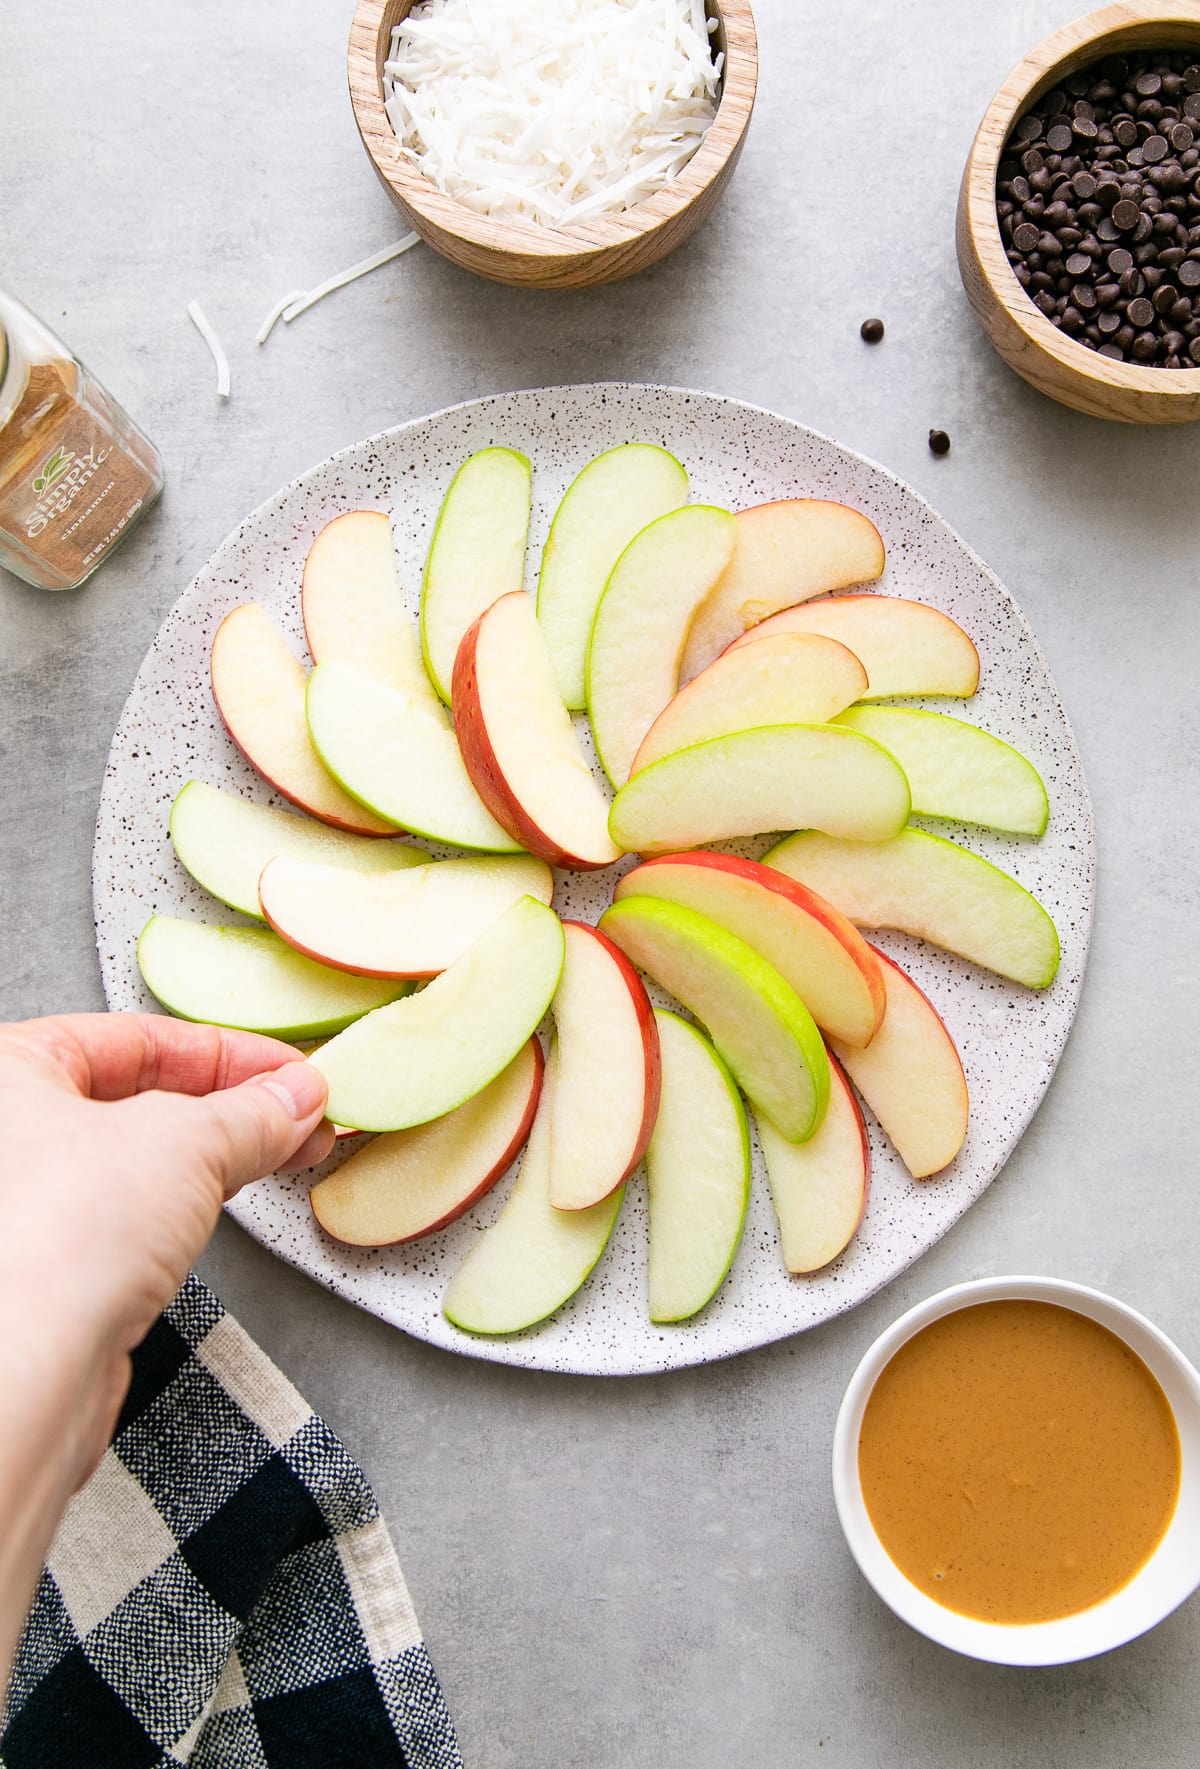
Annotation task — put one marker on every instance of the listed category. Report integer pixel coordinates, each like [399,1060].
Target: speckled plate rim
[565,1343]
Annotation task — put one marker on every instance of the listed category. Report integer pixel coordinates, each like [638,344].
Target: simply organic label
[59,481]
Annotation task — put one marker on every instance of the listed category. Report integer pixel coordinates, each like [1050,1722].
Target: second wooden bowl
[1054,363]
[529,256]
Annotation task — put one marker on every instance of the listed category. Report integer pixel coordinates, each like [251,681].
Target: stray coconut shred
[554,113]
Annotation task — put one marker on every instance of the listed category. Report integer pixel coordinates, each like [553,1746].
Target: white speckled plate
[1010,1038]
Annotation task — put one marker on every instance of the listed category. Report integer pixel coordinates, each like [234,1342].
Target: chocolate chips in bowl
[1098,202]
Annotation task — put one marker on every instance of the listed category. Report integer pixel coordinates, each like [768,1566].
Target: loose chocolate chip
[1140,313]
[939,442]
[1083,129]
[1119,261]
[871,331]
[1189,273]
[1154,149]
[1084,186]
[1025,238]
[1125,132]
[1148,84]
[1126,215]
[1058,139]
[1182,137]
[1135,158]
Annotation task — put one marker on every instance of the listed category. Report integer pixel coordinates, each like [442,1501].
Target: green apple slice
[413,1182]
[924,885]
[792,679]
[759,1025]
[245,977]
[786,552]
[697,1171]
[389,748]
[642,622]
[258,684]
[955,770]
[905,647]
[778,777]
[477,554]
[533,1258]
[418,1058]
[819,1187]
[604,506]
[225,841]
[396,924]
[912,1078]
[353,605]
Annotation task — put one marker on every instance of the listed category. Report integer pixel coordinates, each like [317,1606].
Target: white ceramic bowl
[1170,1575]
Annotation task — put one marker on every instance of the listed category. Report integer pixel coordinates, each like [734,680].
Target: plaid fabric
[223,1592]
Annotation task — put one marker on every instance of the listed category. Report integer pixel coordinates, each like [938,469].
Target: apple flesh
[399,755]
[905,647]
[396,924]
[245,977]
[760,1026]
[786,552]
[411,1183]
[911,1077]
[606,1093]
[921,884]
[258,685]
[697,1173]
[533,1258]
[813,946]
[778,777]
[476,556]
[353,606]
[819,1187]
[225,842]
[423,1056]
[955,770]
[605,505]
[641,624]
[519,745]
[792,679]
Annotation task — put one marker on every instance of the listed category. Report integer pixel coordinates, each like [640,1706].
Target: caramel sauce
[1018,1461]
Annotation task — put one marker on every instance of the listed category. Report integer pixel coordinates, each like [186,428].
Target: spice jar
[75,472]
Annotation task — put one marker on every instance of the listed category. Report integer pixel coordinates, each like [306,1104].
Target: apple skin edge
[505,1161]
[480,761]
[648,1028]
[837,1070]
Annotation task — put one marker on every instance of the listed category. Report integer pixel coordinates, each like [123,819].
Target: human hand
[120,1137]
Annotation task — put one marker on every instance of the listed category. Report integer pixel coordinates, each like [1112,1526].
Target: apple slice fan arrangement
[748,826]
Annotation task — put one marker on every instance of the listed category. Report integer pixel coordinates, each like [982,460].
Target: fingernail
[300,1087]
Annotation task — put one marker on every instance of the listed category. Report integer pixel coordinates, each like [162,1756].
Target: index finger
[110,1056]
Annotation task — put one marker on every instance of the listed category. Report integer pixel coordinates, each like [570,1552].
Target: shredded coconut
[554,112]
[199,319]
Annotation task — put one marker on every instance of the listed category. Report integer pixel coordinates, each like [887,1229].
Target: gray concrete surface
[639,1574]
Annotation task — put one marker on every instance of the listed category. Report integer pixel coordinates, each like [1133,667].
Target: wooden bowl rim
[1064,49]
[442,214]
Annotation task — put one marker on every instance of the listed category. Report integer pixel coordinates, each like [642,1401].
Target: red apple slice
[353,606]
[259,686]
[410,1183]
[477,554]
[819,1187]
[792,679]
[905,647]
[641,624]
[811,944]
[606,1099]
[779,777]
[785,553]
[518,742]
[376,925]
[911,1077]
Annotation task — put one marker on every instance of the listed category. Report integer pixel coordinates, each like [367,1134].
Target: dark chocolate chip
[1125,132]
[1126,215]
[1025,238]
[1154,149]
[1120,260]
[1140,313]
[1144,348]
[1078,264]
[871,331]
[1182,137]
[939,442]
[1148,84]
[1189,273]
[1058,139]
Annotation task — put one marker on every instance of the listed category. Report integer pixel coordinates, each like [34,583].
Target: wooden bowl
[522,253]
[1049,360]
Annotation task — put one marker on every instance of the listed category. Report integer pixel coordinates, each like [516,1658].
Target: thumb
[251,1129]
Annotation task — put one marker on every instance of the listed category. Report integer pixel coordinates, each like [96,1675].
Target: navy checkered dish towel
[223,1592]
